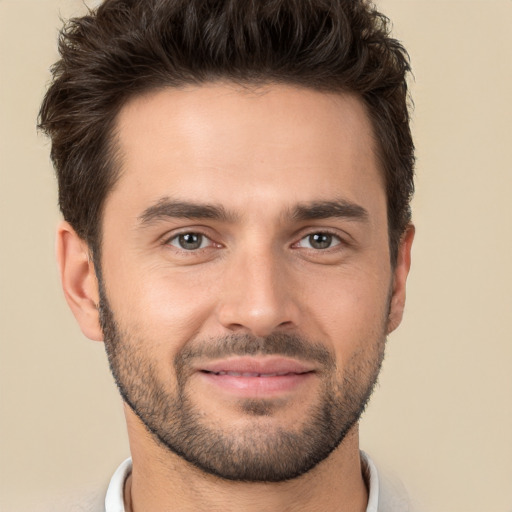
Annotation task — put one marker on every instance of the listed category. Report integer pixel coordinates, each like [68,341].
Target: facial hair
[249,453]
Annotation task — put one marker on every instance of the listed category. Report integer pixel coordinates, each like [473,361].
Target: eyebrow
[167,208]
[329,209]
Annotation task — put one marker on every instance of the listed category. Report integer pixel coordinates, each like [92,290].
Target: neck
[161,480]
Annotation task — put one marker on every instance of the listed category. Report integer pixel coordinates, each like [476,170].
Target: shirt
[389,498]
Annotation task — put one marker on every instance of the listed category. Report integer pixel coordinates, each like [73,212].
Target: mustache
[278,344]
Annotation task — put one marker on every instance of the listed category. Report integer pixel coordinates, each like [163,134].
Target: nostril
[236,327]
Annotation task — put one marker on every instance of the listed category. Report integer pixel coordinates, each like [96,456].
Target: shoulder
[92,500]
[386,492]
[393,496]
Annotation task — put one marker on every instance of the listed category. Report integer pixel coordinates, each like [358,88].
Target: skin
[258,154]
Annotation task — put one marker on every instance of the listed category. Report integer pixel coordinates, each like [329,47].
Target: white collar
[114,500]
[371,477]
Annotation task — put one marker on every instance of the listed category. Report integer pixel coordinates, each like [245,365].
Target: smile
[261,377]
[253,374]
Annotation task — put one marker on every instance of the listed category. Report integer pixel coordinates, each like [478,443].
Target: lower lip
[257,386]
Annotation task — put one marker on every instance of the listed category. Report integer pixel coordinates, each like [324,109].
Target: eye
[319,241]
[190,241]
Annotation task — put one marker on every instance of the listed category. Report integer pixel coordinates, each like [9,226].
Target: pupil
[190,241]
[320,240]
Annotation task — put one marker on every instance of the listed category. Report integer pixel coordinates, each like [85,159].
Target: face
[246,281]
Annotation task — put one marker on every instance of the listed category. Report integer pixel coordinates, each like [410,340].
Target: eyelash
[335,236]
[168,241]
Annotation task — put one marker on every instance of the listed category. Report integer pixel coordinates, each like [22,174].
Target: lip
[260,365]
[256,377]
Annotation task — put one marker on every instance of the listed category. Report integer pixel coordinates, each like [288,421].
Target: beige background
[442,416]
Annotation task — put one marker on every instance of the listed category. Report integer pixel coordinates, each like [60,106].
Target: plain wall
[441,418]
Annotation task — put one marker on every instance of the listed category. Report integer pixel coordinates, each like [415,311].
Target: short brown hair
[128,47]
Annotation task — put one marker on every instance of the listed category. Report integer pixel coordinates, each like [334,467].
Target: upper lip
[258,365]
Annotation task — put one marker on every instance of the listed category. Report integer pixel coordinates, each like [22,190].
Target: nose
[259,296]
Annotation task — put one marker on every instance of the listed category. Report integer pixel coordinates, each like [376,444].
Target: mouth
[257,377]
[252,374]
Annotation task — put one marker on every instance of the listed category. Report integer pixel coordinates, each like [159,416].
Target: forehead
[227,144]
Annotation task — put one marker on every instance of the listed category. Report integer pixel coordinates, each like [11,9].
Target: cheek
[350,310]
[165,309]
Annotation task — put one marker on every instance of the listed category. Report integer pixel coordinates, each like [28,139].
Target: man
[235,180]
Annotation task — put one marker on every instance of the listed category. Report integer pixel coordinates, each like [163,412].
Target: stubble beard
[249,453]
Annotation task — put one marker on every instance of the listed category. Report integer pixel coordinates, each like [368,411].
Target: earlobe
[78,278]
[401,271]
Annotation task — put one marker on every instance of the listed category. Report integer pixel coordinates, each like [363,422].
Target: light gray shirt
[383,495]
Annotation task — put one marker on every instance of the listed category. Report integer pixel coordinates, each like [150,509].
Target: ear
[78,279]
[401,271]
